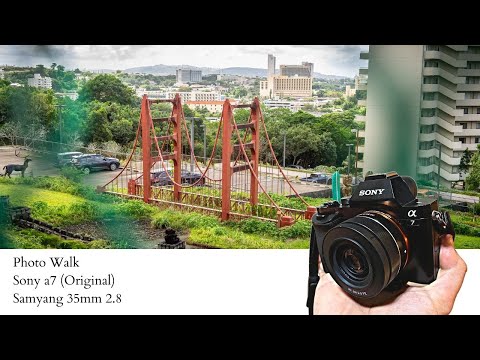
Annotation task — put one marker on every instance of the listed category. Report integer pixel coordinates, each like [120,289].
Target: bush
[254,226]
[136,209]
[179,220]
[464,229]
[301,229]
[72,173]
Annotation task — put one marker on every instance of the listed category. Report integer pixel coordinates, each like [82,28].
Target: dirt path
[146,236]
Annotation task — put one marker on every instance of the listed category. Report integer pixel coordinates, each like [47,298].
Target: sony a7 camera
[378,239]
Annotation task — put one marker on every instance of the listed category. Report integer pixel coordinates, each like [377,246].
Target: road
[271,179]
[42,165]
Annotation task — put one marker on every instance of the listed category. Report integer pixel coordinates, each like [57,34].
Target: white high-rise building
[271,65]
[423,109]
[188,76]
[2,75]
[40,82]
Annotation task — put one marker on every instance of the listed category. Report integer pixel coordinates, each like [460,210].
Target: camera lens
[353,263]
[365,253]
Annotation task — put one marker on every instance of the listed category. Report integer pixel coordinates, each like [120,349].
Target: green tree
[187,111]
[40,69]
[473,178]
[105,88]
[96,127]
[465,161]
[123,131]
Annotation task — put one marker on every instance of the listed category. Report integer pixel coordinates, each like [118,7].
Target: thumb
[450,277]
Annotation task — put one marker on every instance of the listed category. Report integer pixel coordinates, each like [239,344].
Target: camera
[378,239]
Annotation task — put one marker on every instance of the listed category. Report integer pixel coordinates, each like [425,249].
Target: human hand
[436,298]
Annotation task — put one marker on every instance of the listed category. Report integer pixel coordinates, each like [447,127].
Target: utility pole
[355,131]
[284,147]
[349,147]
[204,144]
[192,135]
[60,122]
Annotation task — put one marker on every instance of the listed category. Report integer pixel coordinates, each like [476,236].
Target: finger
[449,257]
[321,271]
[450,277]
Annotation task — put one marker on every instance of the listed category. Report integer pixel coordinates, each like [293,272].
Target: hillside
[241,71]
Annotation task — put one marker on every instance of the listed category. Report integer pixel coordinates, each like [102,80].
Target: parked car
[318,178]
[160,178]
[66,158]
[95,162]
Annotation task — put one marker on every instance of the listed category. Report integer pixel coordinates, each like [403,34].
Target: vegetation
[473,178]
[63,202]
[62,80]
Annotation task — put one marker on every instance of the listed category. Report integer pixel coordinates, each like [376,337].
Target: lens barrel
[365,253]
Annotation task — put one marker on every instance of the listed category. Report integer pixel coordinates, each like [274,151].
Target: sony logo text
[371,192]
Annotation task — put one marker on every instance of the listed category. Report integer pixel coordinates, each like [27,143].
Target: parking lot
[43,165]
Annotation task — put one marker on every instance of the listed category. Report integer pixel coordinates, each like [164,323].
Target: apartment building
[40,82]
[185,76]
[423,109]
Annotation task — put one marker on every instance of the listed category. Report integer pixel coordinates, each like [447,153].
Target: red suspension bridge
[232,183]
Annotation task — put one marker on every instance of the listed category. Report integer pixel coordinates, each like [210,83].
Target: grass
[467,242]
[63,202]
[32,239]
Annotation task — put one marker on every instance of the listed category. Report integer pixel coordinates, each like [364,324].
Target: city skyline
[342,60]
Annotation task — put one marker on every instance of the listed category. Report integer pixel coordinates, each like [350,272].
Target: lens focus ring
[365,253]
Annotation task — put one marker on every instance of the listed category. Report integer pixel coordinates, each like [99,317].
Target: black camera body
[378,239]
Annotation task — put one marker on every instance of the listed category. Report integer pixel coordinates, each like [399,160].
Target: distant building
[361,82]
[292,105]
[16,85]
[211,106]
[349,91]
[304,70]
[72,95]
[185,76]
[2,75]
[309,66]
[294,81]
[185,95]
[271,65]
[285,86]
[40,82]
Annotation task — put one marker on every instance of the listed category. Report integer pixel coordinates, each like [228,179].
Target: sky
[328,59]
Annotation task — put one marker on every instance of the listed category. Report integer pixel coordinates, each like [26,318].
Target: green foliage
[467,242]
[473,179]
[465,161]
[107,88]
[179,220]
[72,173]
[110,121]
[32,239]
[75,213]
[136,209]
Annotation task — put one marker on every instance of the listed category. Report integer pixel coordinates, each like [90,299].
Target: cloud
[328,59]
